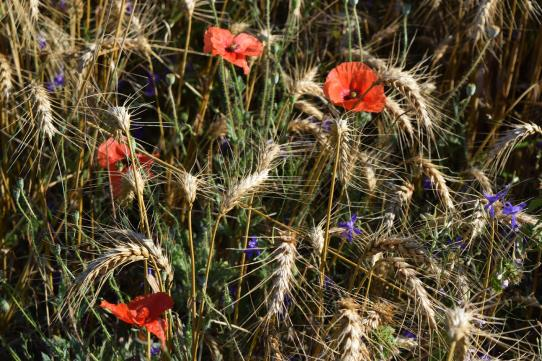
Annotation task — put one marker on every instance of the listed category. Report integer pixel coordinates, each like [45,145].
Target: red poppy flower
[110,152]
[144,311]
[233,48]
[353,86]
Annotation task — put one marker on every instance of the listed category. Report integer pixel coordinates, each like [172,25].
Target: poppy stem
[199,325]
[328,218]
[243,261]
[193,265]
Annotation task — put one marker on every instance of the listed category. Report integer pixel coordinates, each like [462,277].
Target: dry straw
[438,180]
[419,293]
[6,80]
[125,247]
[254,181]
[43,110]
[283,278]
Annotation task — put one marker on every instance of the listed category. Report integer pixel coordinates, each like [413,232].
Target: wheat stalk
[254,181]
[284,257]
[483,19]
[410,275]
[43,109]
[127,247]
[6,80]
[437,178]
[505,145]
[301,126]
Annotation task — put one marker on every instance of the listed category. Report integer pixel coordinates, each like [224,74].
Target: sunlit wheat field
[270,180]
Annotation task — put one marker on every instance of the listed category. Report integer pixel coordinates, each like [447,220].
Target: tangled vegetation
[270,180]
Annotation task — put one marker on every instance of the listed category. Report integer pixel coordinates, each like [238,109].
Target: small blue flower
[491,199]
[155,350]
[326,125]
[252,250]
[512,211]
[42,42]
[427,184]
[408,334]
[58,82]
[457,243]
[129,7]
[350,228]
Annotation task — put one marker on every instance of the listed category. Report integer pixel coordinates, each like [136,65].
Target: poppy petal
[156,303]
[116,181]
[120,311]
[355,78]
[110,152]
[216,40]
[248,45]
[158,328]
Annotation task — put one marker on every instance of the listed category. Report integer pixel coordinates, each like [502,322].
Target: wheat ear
[44,110]
[284,257]
[6,78]
[254,181]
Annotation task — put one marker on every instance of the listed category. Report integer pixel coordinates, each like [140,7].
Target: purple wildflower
[427,184]
[491,199]
[129,7]
[155,350]
[62,4]
[350,228]
[42,42]
[58,82]
[512,211]
[252,250]
[326,125]
[457,243]
[408,334]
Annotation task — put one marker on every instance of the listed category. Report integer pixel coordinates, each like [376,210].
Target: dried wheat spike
[505,145]
[283,278]
[126,247]
[309,108]
[302,126]
[352,331]
[6,80]
[400,118]
[459,328]
[189,186]
[483,20]
[43,110]
[437,178]
[120,118]
[410,275]
[254,181]
[409,86]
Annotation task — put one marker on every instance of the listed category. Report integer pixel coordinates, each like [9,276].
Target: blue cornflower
[326,125]
[129,7]
[252,249]
[491,199]
[512,211]
[58,82]
[42,42]
[408,334]
[155,350]
[457,243]
[350,228]
[427,184]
